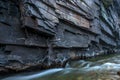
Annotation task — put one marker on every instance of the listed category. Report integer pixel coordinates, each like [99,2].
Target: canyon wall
[41,34]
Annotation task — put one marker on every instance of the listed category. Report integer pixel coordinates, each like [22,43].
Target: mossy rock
[107,3]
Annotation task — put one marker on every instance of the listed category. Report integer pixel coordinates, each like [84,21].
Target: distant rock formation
[41,34]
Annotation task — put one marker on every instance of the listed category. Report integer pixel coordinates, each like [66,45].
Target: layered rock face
[47,33]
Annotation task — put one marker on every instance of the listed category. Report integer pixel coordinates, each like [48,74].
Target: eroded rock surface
[47,33]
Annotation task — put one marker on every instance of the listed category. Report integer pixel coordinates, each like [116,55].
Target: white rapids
[101,69]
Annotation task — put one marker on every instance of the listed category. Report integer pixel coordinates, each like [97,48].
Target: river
[99,68]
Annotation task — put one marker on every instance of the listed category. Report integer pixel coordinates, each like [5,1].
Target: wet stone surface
[42,34]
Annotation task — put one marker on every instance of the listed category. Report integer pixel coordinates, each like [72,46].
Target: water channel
[99,68]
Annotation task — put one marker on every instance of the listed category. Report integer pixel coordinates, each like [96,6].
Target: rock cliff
[41,34]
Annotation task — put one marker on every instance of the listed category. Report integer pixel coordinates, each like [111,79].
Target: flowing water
[102,68]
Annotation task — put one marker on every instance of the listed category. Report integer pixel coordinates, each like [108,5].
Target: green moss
[107,3]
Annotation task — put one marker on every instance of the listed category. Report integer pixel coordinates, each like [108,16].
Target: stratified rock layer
[40,34]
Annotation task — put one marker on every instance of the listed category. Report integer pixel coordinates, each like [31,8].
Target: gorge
[44,34]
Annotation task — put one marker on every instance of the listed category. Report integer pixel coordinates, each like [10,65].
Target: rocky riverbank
[101,68]
[42,34]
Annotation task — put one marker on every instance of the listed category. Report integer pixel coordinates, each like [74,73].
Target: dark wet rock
[41,34]
[118,73]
